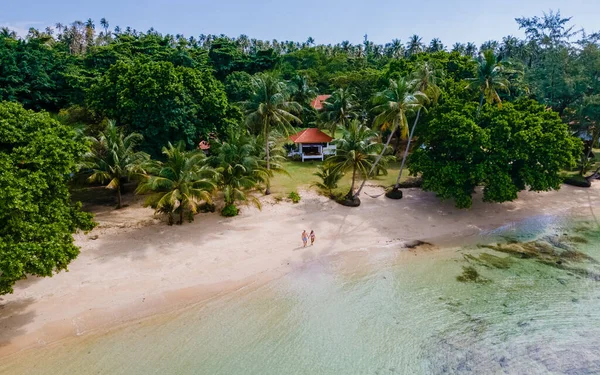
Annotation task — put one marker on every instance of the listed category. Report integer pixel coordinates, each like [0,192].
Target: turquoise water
[381,312]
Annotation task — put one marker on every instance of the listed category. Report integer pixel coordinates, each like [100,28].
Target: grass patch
[301,176]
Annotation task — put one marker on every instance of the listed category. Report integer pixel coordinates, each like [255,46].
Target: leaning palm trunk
[412,131]
[268,156]
[351,192]
[387,143]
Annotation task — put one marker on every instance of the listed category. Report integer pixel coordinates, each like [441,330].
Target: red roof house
[312,144]
[311,135]
[317,103]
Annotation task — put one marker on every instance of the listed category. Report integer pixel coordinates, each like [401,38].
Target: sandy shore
[132,266]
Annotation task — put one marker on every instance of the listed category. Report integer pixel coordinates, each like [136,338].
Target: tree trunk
[268,156]
[412,131]
[351,192]
[180,215]
[398,139]
[119,205]
[480,104]
[387,143]
[594,175]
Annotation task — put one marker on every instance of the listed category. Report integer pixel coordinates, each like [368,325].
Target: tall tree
[425,80]
[506,150]
[113,158]
[393,106]
[414,45]
[269,108]
[38,217]
[239,169]
[356,151]
[163,102]
[179,184]
[490,78]
[339,109]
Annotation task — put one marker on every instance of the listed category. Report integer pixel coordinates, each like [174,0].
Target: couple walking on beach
[305,237]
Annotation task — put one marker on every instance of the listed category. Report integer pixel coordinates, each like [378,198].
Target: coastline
[137,269]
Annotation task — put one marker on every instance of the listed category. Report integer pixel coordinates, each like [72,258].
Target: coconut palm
[302,93]
[489,78]
[112,158]
[357,150]
[470,49]
[339,110]
[239,169]
[414,45]
[180,184]
[436,45]
[425,81]
[329,178]
[459,47]
[393,106]
[268,109]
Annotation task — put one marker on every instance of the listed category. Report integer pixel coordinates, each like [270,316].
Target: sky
[327,21]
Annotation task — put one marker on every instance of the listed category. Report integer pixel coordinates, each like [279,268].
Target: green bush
[229,211]
[294,197]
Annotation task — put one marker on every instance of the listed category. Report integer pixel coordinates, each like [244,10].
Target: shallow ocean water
[387,311]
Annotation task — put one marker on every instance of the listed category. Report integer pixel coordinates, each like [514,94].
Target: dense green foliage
[162,102]
[357,150]
[499,116]
[113,158]
[505,150]
[180,184]
[239,168]
[37,218]
[270,109]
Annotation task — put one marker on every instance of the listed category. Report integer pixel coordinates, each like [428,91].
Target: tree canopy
[519,146]
[37,155]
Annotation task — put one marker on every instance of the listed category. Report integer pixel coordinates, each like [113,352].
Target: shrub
[294,197]
[229,211]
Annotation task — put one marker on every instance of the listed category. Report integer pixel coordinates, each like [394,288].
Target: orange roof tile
[311,135]
[317,103]
[203,145]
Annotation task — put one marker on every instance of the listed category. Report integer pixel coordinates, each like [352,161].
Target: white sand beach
[132,266]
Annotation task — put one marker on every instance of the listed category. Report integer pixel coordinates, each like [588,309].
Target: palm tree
[470,49]
[105,25]
[239,169]
[357,150]
[436,45]
[269,109]
[414,45]
[393,105]
[490,44]
[425,81]
[5,32]
[329,178]
[459,47]
[179,184]
[113,158]
[489,78]
[302,93]
[339,109]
